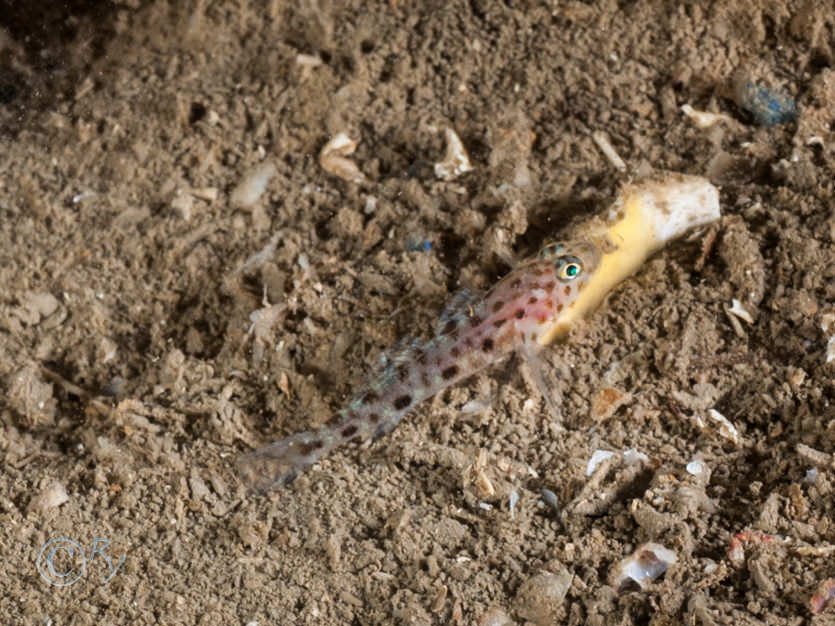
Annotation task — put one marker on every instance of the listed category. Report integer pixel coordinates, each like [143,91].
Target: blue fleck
[416,244]
[768,106]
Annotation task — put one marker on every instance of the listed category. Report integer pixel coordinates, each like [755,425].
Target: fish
[473,333]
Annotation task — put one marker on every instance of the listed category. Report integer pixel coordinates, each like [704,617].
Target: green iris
[571,271]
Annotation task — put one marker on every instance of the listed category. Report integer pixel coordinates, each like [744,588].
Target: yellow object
[645,217]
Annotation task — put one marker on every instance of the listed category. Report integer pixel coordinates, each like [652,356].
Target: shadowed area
[45,47]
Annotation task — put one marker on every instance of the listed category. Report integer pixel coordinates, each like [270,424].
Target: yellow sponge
[645,217]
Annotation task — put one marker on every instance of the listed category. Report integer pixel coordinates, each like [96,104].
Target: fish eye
[571,268]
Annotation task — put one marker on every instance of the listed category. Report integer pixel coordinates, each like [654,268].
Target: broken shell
[738,310]
[643,566]
[645,217]
[724,426]
[333,159]
[456,161]
[703,119]
[630,457]
[696,467]
[596,459]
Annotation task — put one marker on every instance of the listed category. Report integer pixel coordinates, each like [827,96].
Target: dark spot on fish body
[369,398]
[449,372]
[487,346]
[580,287]
[402,402]
[497,306]
[449,327]
[374,418]
[520,314]
[424,378]
[455,352]
[534,336]
[498,323]
[334,421]
[475,320]
[567,290]
[349,431]
[516,284]
[402,372]
[306,448]
[559,307]
[549,286]
[358,439]
[532,300]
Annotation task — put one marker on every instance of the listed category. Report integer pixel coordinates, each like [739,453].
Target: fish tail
[280,462]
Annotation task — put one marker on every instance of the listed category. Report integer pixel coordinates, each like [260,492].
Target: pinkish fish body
[472,334]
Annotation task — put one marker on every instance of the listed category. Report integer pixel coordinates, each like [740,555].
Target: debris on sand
[643,566]
[54,495]
[736,549]
[540,597]
[253,185]
[739,311]
[768,106]
[824,597]
[703,119]
[601,139]
[455,161]
[828,326]
[511,139]
[334,159]
[720,424]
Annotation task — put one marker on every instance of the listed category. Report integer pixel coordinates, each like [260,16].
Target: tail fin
[280,462]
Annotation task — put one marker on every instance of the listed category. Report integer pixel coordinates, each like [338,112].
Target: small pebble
[54,495]
[541,596]
[252,185]
[550,498]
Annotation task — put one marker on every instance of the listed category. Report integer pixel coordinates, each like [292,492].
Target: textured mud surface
[134,368]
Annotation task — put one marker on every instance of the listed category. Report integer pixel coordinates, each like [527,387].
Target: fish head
[574,261]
